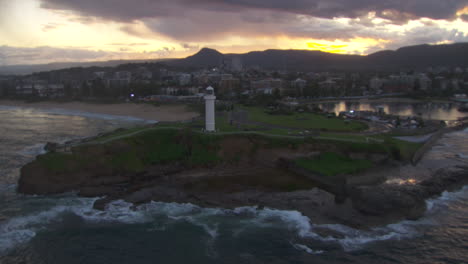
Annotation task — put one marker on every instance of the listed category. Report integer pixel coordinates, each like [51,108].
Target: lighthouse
[210,109]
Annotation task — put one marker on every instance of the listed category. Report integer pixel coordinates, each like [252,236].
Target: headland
[349,182]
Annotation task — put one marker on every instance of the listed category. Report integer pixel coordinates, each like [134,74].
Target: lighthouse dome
[210,90]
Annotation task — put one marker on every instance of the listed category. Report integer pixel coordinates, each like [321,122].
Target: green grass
[406,149]
[119,133]
[132,150]
[344,137]
[306,121]
[56,162]
[128,161]
[332,164]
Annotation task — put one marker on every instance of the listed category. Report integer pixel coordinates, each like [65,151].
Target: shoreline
[147,112]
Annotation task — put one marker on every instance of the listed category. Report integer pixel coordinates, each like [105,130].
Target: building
[376,84]
[440,83]
[184,79]
[267,86]
[41,89]
[229,85]
[424,82]
[398,83]
[329,84]
[120,78]
[179,90]
[26,89]
[299,84]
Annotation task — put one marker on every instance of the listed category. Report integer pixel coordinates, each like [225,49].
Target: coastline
[168,184]
[139,111]
[401,195]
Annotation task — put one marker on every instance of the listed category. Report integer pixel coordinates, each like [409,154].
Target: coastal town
[277,91]
[157,83]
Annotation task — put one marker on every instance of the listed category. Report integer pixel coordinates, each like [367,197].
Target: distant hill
[406,58]
[413,57]
[28,69]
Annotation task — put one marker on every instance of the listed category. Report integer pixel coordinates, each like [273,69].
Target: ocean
[64,228]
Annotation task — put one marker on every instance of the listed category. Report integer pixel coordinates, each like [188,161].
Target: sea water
[66,229]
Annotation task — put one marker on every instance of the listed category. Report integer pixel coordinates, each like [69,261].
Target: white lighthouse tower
[210,109]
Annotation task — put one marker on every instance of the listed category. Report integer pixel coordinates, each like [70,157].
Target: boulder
[396,202]
[443,180]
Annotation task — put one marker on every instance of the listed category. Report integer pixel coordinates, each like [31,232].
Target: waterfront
[444,111]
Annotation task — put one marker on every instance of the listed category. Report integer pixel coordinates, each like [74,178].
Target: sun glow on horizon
[353,46]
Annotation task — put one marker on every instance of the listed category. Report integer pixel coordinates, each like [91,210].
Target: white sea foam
[307,249]
[34,150]
[433,205]
[21,229]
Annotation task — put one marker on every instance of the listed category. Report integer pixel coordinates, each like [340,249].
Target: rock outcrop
[406,201]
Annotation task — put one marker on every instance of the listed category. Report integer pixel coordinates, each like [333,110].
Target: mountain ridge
[409,57]
[404,58]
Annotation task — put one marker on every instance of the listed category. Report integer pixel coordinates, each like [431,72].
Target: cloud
[18,55]
[434,34]
[245,25]
[50,26]
[129,44]
[213,20]
[124,10]
[39,55]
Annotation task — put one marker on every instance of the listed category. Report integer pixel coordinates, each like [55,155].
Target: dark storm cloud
[128,10]
[210,20]
[202,25]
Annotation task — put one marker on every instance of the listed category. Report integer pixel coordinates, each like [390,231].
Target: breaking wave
[21,229]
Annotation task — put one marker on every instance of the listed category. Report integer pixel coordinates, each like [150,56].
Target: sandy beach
[142,111]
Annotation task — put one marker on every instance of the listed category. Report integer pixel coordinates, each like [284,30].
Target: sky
[44,31]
